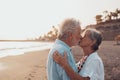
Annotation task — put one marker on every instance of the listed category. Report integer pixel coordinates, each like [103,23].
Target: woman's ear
[93,42]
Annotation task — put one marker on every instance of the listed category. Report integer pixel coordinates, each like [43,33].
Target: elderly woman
[90,67]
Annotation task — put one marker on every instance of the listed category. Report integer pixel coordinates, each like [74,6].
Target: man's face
[76,36]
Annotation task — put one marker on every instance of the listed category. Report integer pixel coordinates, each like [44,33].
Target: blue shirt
[54,71]
[93,67]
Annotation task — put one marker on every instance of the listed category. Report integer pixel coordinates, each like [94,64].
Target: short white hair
[95,35]
[68,25]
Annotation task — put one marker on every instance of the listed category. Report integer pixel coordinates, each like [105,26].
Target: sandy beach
[31,66]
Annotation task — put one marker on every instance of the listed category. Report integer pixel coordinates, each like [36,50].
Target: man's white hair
[68,25]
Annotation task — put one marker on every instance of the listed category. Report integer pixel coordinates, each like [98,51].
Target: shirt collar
[63,43]
[93,54]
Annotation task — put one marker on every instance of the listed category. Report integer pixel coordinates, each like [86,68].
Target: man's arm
[62,61]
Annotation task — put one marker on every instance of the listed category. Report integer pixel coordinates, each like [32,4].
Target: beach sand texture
[31,66]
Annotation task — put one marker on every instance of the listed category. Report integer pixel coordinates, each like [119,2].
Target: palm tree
[118,12]
[98,18]
[54,32]
[108,17]
[105,15]
[114,15]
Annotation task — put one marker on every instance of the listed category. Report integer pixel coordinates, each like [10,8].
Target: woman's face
[85,41]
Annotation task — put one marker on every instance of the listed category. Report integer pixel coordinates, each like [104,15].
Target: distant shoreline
[9,48]
[24,41]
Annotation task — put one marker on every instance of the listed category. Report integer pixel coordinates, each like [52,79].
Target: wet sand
[29,66]
[32,65]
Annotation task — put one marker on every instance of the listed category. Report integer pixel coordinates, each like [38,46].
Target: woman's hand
[61,60]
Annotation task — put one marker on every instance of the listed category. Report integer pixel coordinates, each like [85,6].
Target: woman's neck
[87,51]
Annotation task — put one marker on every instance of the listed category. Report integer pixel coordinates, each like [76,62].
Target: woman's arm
[62,61]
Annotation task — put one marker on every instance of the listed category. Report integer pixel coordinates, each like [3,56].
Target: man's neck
[67,42]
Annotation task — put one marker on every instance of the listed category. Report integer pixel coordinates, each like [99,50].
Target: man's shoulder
[58,47]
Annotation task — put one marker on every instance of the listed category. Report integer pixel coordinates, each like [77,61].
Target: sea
[18,48]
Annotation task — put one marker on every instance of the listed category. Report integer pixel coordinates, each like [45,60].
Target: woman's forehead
[86,32]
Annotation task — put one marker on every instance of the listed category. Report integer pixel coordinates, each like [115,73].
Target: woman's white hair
[95,35]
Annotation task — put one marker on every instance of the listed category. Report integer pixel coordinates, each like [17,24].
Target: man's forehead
[78,29]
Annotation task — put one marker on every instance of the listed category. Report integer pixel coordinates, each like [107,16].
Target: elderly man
[69,35]
[90,67]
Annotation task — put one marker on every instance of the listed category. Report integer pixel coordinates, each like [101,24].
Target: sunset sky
[22,19]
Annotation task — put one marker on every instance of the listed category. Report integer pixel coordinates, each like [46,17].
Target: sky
[26,19]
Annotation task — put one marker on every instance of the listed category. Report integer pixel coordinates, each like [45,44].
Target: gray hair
[68,26]
[95,35]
